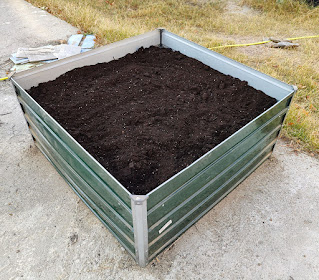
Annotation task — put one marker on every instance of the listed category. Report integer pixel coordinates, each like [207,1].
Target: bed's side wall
[107,199]
[51,71]
[182,200]
[227,66]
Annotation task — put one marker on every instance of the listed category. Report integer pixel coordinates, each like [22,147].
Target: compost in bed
[149,114]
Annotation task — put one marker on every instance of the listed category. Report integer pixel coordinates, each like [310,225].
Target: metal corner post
[139,213]
[285,116]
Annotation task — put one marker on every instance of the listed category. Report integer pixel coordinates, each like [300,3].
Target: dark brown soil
[150,114]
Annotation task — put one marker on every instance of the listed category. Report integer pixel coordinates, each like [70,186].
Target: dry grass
[219,22]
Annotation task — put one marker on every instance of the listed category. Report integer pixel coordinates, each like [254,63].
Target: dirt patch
[233,7]
[150,114]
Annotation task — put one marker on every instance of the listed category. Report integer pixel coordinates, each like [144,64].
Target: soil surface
[150,114]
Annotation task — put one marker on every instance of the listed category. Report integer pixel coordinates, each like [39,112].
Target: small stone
[195,89]
[74,238]
[213,118]
[179,57]
[222,85]
[146,74]
[131,165]
[205,96]
[192,97]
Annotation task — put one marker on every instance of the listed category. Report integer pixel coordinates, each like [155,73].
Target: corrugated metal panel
[209,200]
[171,185]
[206,183]
[104,202]
[74,146]
[186,191]
[97,205]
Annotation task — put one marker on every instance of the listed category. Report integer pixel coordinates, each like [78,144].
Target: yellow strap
[305,37]
[262,42]
[5,78]
[241,45]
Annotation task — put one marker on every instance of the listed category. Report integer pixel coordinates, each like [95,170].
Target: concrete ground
[267,228]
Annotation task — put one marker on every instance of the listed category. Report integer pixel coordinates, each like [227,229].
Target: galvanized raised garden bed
[146,224]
